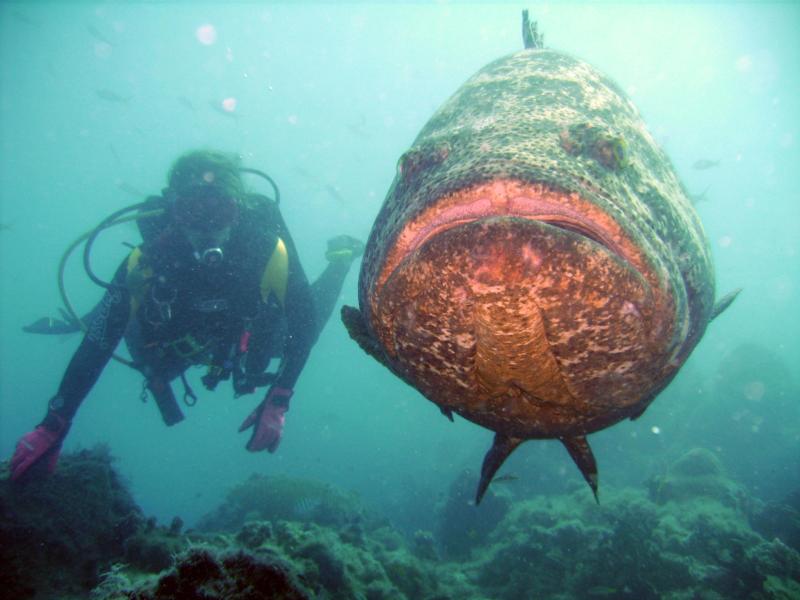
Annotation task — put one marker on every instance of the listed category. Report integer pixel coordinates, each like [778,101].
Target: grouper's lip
[541,212]
[509,198]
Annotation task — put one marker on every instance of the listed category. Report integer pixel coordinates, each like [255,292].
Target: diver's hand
[344,249]
[40,444]
[268,420]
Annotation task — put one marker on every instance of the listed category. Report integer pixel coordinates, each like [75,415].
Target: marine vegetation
[58,534]
[688,536]
[208,574]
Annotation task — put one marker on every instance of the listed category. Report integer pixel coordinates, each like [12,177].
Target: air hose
[89,237]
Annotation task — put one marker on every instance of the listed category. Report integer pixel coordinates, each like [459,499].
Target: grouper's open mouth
[512,198]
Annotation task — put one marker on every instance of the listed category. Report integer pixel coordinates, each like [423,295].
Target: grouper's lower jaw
[520,326]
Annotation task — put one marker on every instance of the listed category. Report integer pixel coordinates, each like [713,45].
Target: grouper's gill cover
[536,267]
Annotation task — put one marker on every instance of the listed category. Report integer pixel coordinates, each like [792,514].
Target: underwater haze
[99,98]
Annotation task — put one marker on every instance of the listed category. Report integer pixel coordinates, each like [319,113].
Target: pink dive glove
[36,445]
[268,419]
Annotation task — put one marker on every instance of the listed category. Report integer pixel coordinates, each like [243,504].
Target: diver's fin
[581,453]
[69,319]
[447,413]
[724,303]
[502,447]
[52,326]
[354,323]
[42,325]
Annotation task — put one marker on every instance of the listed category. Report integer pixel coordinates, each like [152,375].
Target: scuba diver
[217,281]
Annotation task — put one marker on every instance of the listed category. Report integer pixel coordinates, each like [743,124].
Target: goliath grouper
[536,267]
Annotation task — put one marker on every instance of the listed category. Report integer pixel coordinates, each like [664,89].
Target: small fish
[705,163]
[129,189]
[97,35]
[306,508]
[219,107]
[24,18]
[602,591]
[186,103]
[507,478]
[5,227]
[334,193]
[111,96]
[701,197]
[357,128]
[114,152]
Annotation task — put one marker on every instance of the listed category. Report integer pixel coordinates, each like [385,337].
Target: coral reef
[58,533]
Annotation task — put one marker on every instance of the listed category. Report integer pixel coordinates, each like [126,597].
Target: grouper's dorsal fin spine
[531,37]
[581,453]
[502,447]
[724,303]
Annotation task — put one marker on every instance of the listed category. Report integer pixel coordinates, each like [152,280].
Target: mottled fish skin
[536,267]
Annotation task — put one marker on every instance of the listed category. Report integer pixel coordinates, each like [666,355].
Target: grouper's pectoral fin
[724,303]
[354,323]
[581,453]
[502,447]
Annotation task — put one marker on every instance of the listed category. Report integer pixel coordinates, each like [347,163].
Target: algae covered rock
[286,559]
[274,497]
[697,474]
[779,520]
[203,573]
[633,547]
[151,549]
[58,533]
[464,526]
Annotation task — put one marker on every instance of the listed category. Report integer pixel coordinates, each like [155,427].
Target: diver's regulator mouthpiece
[207,245]
[209,257]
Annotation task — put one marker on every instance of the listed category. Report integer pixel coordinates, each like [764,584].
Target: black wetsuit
[174,313]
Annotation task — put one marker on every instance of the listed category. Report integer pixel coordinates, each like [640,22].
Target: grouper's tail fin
[531,37]
[581,453]
[501,449]
[578,448]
